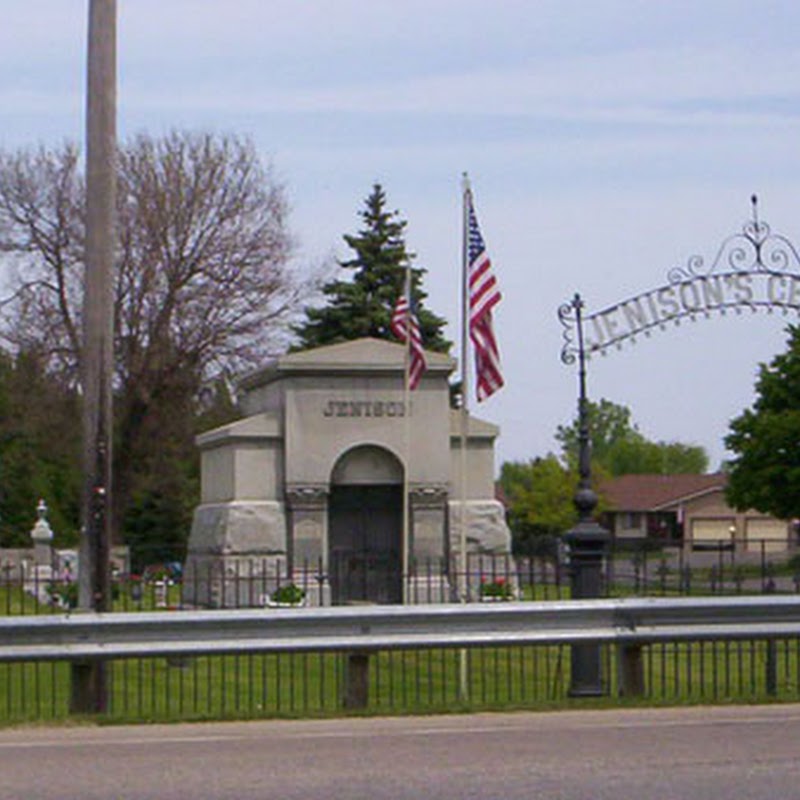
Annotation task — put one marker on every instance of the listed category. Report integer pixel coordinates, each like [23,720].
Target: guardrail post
[631,670]
[88,687]
[356,680]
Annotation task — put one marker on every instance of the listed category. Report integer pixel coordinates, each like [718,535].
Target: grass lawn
[421,681]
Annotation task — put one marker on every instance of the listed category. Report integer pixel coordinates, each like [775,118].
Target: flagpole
[463,589]
[406,438]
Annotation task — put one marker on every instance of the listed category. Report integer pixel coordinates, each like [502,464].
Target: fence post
[631,670]
[356,680]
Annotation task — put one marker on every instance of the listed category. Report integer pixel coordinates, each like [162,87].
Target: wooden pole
[89,680]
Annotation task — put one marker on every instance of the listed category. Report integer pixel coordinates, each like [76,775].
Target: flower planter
[278,604]
[495,591]
[287,596]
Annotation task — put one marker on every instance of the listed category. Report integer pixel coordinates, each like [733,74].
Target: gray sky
[607,142]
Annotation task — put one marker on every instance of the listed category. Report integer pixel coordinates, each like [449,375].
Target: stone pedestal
[487,531]
[237,554]
[487,539]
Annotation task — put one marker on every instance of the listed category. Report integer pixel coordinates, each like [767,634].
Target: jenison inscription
[364,408]
[700,295]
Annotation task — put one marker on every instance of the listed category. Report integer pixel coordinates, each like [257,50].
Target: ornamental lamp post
[587,542]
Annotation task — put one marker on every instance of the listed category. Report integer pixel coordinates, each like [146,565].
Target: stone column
[427,582]
[308,540]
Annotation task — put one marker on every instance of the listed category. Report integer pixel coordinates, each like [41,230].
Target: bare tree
[203,276]
[41,242]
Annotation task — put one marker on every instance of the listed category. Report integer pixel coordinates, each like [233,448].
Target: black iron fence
[637,567]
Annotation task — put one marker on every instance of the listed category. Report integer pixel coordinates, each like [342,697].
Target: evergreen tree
[363,305]
[39,451]
[765,439]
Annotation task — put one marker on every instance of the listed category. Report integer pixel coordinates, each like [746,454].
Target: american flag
[484,295]
[403,321]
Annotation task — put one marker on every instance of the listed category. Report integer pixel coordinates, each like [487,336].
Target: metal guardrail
[629,622]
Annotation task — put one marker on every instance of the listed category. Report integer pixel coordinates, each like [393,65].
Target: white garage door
[711,533]
[772,532]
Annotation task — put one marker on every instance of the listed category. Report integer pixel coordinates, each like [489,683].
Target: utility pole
[89,679]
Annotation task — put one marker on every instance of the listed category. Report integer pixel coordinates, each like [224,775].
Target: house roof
[657,492]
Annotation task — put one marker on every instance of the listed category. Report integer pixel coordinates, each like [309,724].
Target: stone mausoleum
[309,485]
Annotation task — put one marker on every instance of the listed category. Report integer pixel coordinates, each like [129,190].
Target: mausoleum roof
[258,426]
[356,356]
[476,428]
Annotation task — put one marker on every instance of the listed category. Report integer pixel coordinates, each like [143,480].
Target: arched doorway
[365,527]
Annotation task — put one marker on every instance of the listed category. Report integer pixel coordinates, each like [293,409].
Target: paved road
[685,754]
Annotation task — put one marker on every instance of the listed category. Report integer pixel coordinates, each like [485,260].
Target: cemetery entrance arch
[365,527]
[753,270]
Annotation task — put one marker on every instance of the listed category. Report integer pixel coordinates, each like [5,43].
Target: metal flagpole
[407,437]
[462,543]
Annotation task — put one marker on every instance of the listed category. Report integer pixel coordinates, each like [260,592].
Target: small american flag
[405,321]
[484,295]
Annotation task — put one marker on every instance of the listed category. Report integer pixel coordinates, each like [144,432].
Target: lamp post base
[587,543]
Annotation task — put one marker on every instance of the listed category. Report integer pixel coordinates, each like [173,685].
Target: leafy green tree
[540,497]
[609,424]
[539,494]
[637,455]
[619,448]
[362,305]
[764,472]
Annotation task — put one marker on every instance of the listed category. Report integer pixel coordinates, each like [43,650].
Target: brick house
[691,509]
